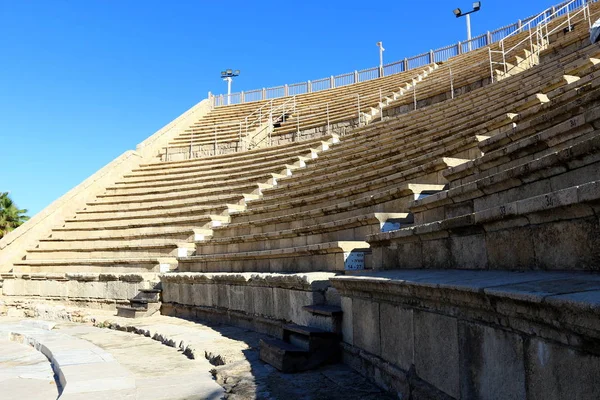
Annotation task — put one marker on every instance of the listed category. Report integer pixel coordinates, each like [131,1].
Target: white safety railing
[420,60]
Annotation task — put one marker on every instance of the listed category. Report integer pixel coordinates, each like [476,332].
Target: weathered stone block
[557,372]
[468,251]
[263,301]
[407,255]
[223,291]
[396,327]
[436,351]
[236,297]
[510,249]
[436,253]
[120,290]
[567,244]
[491,363]
[186,293]
[365,322]
[347,327]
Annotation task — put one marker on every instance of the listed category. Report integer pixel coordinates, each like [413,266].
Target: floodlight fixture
[458,13]
[227,76]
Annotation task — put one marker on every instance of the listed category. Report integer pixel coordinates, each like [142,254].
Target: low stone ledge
[300,281]
[559,306]
[271,296]
[77,287]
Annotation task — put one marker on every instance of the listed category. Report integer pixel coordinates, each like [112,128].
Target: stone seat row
[535,99]
[203,132]
[387,132]
[389,199]
[570,165]
[554,231]
[218,247]
[311,115]
[567,132]
[137,227]
[329,256]
[224,161]
[383,167]
[541,186]
[562,114]
[348,229]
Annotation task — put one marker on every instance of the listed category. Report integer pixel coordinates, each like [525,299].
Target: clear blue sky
[82,81]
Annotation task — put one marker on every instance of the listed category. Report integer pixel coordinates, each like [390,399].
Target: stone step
[131,312]
[150,295]
[283,356]
[323,309]
[302,348]
[309,338]
[325,316]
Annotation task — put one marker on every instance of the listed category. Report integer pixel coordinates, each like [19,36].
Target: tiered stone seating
[338,199]
[225,127]
[523,191]
[144,221]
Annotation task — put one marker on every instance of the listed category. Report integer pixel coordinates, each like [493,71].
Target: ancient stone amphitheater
[436,229]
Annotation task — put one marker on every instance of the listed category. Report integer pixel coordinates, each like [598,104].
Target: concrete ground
[171,358]
[25,373]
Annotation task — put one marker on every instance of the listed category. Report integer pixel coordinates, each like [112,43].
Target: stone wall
[91,290]
[474,334]
[258,301]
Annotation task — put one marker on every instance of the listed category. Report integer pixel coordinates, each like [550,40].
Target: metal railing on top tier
[420,60]
[539,33]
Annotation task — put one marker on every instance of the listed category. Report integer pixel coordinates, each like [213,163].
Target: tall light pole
[459,13]
[227,76]
[381,50]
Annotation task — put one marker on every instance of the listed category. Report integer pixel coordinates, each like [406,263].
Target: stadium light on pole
[381,50]
[227,76]
[459,13]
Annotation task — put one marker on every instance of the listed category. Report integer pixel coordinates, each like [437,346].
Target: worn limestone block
[491,363]
[119,290]
[436,253]
[223,296]
[468,251]
[396,327]
[263,301]
[209,293]
[32,287]
[248,301]
[168,289]
[436,351]
[52,288]
[347,322]
[186,293]
[567,244]
[281,304]
[407,255]
[13,287]
[558,372]
[236,297]
[365,322]
[510,249]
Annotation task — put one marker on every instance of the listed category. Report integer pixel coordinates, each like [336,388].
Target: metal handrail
[439,55]
[542,21]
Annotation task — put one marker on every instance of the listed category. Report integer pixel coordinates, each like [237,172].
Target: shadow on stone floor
[247,377]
